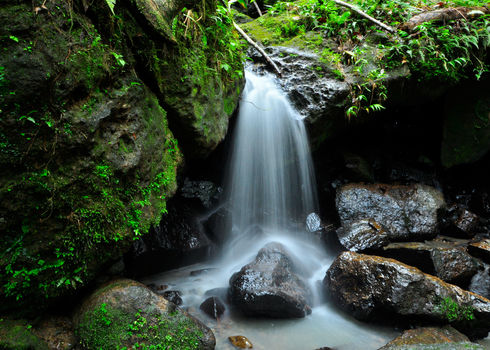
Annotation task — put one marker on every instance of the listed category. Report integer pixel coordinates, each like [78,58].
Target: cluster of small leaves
[455,312]
[444,51]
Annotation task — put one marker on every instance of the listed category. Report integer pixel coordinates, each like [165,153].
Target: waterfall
[271,181]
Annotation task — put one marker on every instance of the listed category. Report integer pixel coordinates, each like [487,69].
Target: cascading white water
[270,191]
[271,182]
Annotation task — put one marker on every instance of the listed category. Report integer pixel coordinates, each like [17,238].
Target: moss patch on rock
[17,335]
[126,314]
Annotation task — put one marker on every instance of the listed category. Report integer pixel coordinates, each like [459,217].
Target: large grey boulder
[403,211]
[269,286]
[376,288]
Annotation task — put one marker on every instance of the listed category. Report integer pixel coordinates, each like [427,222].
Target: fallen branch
[257,8]
[445,14]
[365,15]
[259,49]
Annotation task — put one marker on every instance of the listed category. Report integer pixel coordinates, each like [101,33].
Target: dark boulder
[480,249]
[269,286]
[459,221]
[426,338]
[173,296]
[204,193]
[404,211]
[376,288]
[179,239]
[124,313]
[213,307]
[448,260]
[480,283]
[361,235]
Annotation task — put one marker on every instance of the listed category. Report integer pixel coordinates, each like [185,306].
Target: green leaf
[14,38]
[111,4]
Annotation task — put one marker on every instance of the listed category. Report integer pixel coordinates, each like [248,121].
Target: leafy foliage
[445,52]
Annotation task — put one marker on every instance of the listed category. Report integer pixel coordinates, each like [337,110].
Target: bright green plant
[452,311]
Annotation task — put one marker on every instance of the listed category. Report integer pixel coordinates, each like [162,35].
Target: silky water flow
[270,191]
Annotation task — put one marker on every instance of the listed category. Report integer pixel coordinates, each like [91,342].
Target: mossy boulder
[17,335]
[87,160]
[125,313]
[198,75]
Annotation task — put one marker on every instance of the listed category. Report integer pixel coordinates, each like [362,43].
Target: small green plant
[455,312]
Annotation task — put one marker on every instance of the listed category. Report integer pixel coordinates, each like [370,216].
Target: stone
[173,296]
[313,222]
[270,287]
[180,239]
[480,283]
[239,341]
[480,249]
[459,221]
[361,235]
[218,224]
[448,260]
[377,288]
[426,338]
[213,307]
[204,192]
[405,212]
[18,335]
[123,313]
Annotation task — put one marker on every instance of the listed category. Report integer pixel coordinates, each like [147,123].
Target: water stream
[270,190]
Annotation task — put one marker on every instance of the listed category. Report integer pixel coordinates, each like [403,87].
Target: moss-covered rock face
[125,313]
[16,335]
[198,74]
[86,158]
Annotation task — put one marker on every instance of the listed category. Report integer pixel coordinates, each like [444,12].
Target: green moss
[16,335]
[109,328]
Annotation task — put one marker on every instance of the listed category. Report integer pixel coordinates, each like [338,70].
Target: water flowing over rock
[213,307]
[427,338]
[269,286]
[372,287]
[123,313]
[404,211]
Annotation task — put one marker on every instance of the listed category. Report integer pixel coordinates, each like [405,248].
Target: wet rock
[205,193]
[106,318]
[179,239]
[431,338]
[240,341]
[459,221]
[213,307]
[480,249]
[448,260]
[480,283]
[404,211]
[173,296]
[376,288]
[361,235]
[17,335]
[454,265]
[358,167]
[313,222]
[269,286]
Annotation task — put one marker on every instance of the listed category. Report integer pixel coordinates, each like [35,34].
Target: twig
[365,15]
[258,8]
[256,46]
